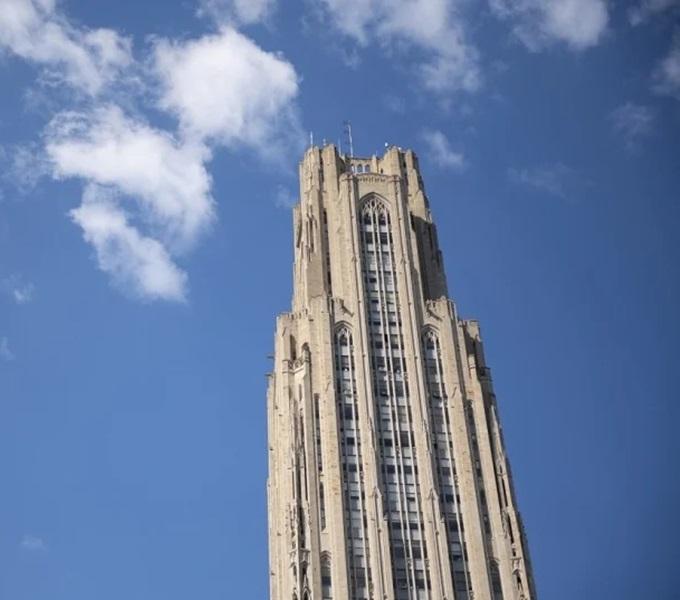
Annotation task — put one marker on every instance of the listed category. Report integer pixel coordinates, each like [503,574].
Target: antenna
[311,139]
[348,133]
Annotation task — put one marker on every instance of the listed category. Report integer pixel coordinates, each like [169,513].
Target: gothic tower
[388,478]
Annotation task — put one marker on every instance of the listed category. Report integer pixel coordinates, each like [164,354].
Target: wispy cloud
[23,166]
[632,122]
[5,353]
[579,24]
[395,104]
[643,11]
[667,74]
[284,198]
[244,12]
[550,179]
[17,289]
[147,191]
[32,543]
[440,151]
[435,28]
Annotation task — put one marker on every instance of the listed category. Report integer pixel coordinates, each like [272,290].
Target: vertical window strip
[326,241]
[442,440]
[356,522]
[319,463]
[398,465]
[497,593]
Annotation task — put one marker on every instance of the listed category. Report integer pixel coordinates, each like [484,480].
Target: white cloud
[139,265]
[85,59]
[5,352]
[165,177]
[667,74]
[32,543]
[440,150]
[579,24]
[228,90]
[246,12]
[394,103]
[551,179]
[435,27]
[147,191]
[632,121]
[18,290]
[26,166]
[647,8]
[163,181]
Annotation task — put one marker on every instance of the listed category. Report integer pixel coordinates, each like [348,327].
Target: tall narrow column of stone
[388,477]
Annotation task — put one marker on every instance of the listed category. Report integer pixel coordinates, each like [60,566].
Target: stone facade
[388,478]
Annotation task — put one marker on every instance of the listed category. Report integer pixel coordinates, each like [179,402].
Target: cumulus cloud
[139,265]
[167,178]
[434,27]
[440,150]
[667,74]
[147,191]
[5,353]
[550,179]
[163,182]
[84,59]
[246,12]
[579,24]
[632,122]
[228,90]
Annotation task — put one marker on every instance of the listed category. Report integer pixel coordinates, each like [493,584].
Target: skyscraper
[388,478]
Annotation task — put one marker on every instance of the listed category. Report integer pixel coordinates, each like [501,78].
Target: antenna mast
[348,133]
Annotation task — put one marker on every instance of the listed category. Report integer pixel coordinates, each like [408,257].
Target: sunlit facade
[388,478]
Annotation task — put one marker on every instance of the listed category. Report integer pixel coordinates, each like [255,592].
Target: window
[398,474]
[445,464]
[350,447]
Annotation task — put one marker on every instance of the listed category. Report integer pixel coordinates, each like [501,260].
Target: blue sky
[148,160]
